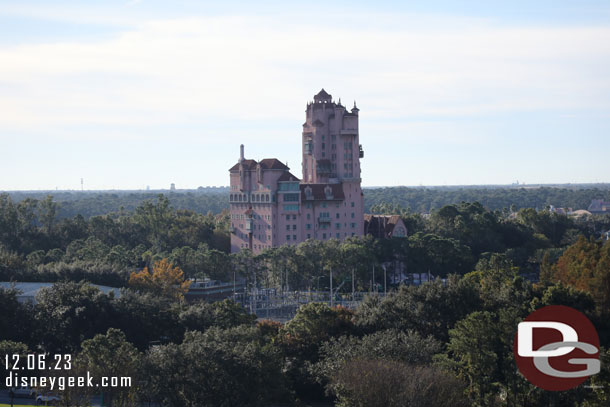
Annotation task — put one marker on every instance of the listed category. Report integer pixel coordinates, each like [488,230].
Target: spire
[322,97]
[355,109]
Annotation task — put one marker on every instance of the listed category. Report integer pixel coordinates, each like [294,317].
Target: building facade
[271,207]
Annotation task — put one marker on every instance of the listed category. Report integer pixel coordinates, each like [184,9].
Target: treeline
[456,239]
[417,199]
[36,244]
[439,344]
[89,204]
[444,342]
[424,200]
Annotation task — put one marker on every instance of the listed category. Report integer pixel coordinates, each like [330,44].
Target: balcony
[323,219]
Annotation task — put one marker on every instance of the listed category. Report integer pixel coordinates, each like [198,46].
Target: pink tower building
[271,207]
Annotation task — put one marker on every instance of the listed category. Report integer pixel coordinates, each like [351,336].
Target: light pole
[385,280]
[331,286]
[353,287]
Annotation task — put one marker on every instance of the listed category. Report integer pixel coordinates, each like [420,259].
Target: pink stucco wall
[330,135]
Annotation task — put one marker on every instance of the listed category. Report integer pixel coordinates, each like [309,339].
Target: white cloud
[242,68]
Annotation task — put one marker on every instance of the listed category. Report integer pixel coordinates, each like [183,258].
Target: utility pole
[331,286]
[374,283]
[353,286]
[385,281]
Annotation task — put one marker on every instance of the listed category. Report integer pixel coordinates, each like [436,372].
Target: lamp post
[331,286]
[385,281]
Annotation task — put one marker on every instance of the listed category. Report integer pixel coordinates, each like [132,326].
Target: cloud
[197,70]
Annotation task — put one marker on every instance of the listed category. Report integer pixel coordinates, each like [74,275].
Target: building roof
[318,192]
[248,165]
[580,212]
[272,164]
[287,176]
[266,164]
[322,95]
[381,226]
[599,206]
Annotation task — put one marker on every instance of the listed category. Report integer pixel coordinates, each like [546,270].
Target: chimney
[241,153]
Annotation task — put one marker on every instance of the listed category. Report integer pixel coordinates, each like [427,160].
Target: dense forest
[446,342]
[36,244]
[438,344]
[416,199]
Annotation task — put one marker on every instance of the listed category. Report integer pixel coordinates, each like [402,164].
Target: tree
[222,314]
[147,318]
[164,280]
[48,214]
[16,319]
[8,348]
[217,368]
[312,325]
[301,338]
[384,383]
[388,345]
[437,255]
[156,219]
[110,355]
[68,313]
[586,266]
[430,309]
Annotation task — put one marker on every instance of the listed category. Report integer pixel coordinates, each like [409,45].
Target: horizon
[464,186]
[130,94]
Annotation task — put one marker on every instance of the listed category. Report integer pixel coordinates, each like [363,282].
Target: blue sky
[127,94]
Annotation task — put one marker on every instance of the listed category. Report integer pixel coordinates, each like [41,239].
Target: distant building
[599,206]
[172,187]
[384,226]
[580,213]
[271,207]
[560,211]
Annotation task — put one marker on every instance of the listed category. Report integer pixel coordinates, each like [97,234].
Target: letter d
[525,335]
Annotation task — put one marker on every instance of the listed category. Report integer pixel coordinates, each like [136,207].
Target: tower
[271,207]
[331,145]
